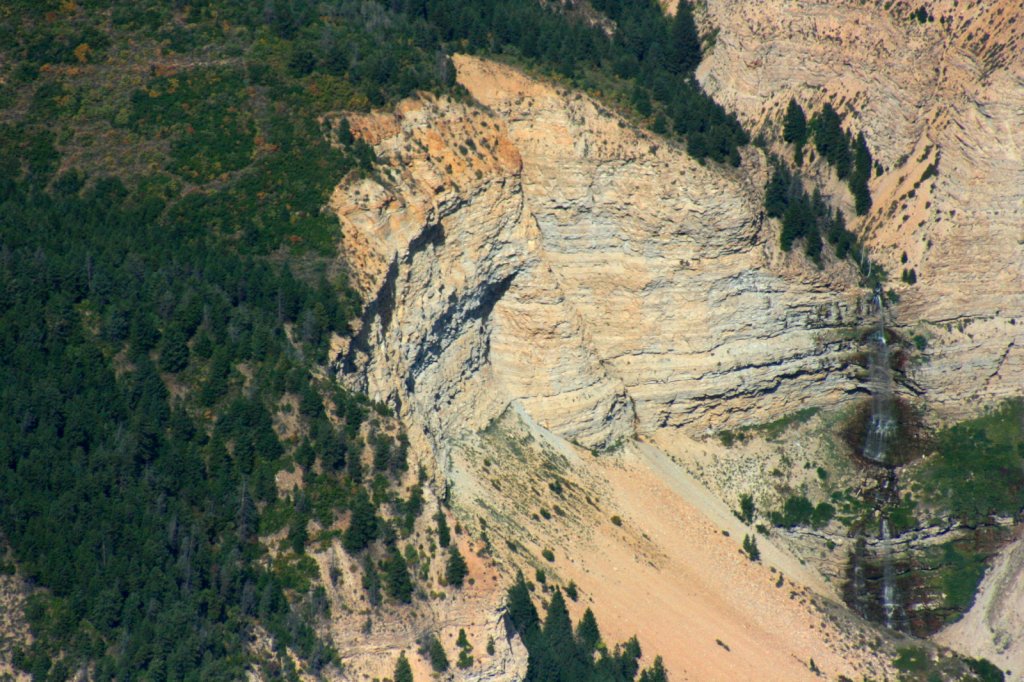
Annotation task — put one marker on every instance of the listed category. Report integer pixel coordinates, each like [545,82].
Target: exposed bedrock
[545,252]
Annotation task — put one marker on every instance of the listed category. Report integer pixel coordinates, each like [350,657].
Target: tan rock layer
[547,253]
[948,92]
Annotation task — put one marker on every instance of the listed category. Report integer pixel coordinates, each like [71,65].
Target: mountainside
[502,340]
[550,255]
[940,88]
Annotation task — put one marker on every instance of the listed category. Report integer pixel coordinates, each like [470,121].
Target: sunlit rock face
[543,251]
[946,92]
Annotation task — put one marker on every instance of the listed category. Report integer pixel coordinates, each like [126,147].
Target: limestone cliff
[944,88]
[546,253]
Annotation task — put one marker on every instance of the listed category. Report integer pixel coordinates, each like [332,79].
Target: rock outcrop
[940,89]
[544,252]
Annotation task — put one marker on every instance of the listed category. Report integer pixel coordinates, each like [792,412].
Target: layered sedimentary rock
[546,252]
[940,88]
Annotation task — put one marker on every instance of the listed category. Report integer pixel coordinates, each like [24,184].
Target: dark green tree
[434,651]
[298,535]
[173,350]
[587,633]
[456,569]
[561,643]
[520,606]
[862,165]
[750,547]
[403,671]
[362,528]
[831,140]
[396,573]
[656,673]
[444,536]
[794,129]
[371,581]
[747,509]
[685,51]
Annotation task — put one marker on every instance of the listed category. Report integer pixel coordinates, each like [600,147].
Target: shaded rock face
[946,92]
[544,252]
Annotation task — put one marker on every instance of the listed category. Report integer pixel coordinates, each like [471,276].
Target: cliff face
[546,253]
[946,92]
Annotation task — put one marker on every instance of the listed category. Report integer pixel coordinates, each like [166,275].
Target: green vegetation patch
[770,430]
[204,110]
[978,469]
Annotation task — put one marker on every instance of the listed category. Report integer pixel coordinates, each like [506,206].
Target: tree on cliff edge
[685,54]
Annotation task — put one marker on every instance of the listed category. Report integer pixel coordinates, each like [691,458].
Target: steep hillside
[540,273]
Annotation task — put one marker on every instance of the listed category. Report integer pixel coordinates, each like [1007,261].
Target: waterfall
[881,427]
[882,424]
[888,588]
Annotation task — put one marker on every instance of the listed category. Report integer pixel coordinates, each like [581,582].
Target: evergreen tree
[559,638]
[174,350]
[750,547]
[776,193]
[305,456]
[434,651]
[371,582]
[794,129]
[298,535]
[520,607]
[354,463]
[403,671]
[685,41]
[656,673]
[362,528]
[444,536]
[456,569]
[862,164]
[396,573]
[587,633]
[831,141]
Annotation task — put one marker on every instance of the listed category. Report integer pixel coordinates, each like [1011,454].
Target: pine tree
[862,164]
[521,610]
[444,536]
[794,129]
[403,671]
[587,633]
[396,574]
[561,643]
[174,350]
[371,582]
[750,547]
[434,650]
[685,53]
[354,465]
[456,569]
[362,528]
[656,673]
[298,535]
[831,141]
[305,455]
[776,193]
